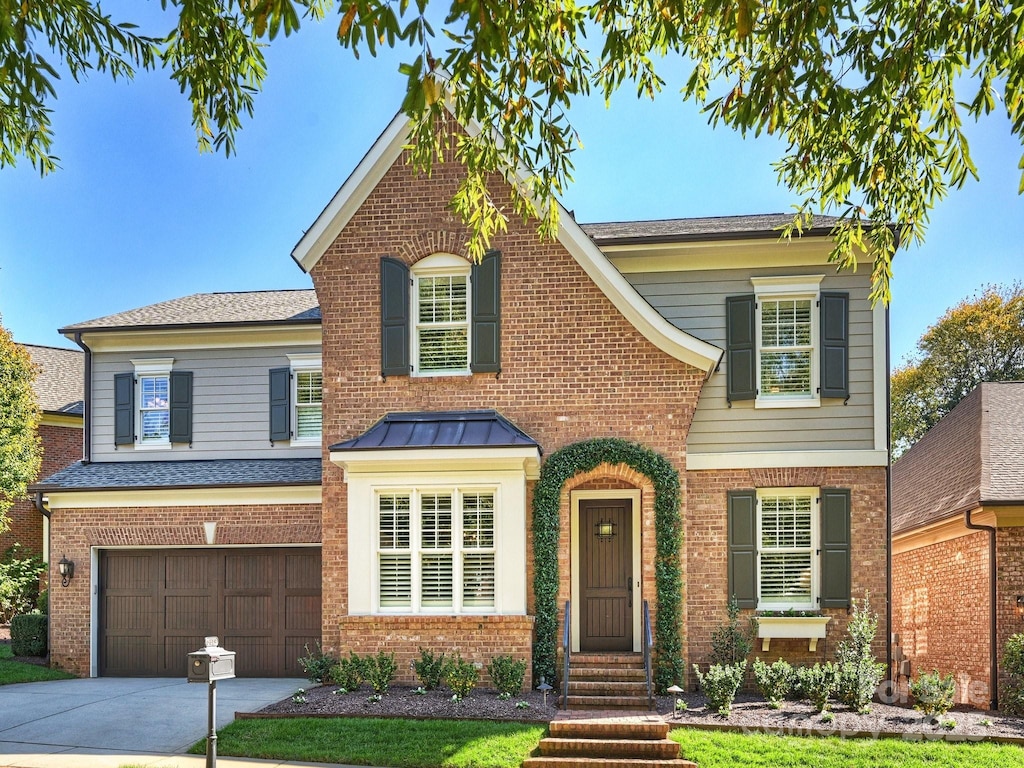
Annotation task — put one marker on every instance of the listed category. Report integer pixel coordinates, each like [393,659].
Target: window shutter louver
[394,318]
[835,345]
[280,404]
[740,355]
[181,407]
[835,548]
[124,409]
[486,322]
[743,548]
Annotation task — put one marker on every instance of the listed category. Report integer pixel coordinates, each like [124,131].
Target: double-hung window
[296,400]
[787,534]
[441,316]
[155,408]
[153,405]
[435,551]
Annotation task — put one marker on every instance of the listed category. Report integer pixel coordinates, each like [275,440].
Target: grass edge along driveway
[18,672]
[479,744]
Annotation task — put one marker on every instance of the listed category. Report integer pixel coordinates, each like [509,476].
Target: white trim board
[185,497]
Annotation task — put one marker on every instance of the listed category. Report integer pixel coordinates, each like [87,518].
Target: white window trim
[815,494]
[150,367]
[304,363]
[791,287]
[439,265]
[416,551]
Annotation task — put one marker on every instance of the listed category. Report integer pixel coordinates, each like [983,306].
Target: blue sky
[136,215]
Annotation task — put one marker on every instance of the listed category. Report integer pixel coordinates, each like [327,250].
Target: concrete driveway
[122,717]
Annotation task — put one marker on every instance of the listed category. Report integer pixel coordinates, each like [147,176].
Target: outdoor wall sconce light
[1020,607]
[66,568]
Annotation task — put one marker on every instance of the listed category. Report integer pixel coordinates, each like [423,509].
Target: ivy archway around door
[584,457]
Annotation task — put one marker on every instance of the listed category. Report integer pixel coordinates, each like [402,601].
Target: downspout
[888,500]
[993,642]
[87,415]
[41,506]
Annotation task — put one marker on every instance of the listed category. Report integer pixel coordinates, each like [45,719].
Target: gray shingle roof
[59,383]
[232,308]
[709,227]
[217,473]
[973,456]
[447,429]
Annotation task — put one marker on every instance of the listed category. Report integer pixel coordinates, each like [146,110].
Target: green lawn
[374,741]
[17,672]
[476,744]
[711,749]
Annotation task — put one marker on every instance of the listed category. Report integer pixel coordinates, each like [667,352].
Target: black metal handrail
[648,642]
[565,663]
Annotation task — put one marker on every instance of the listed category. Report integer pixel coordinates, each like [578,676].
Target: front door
[606,575]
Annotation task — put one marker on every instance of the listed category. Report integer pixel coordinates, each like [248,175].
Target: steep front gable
[383,155]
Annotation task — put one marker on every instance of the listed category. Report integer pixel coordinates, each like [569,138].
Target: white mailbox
[211,663]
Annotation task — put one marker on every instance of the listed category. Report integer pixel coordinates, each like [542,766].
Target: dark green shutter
[741,353]
[181,407]
[835,344]
[743,548]
[280,403]
[124,409]
[394,318]
[486,330]
[835,548]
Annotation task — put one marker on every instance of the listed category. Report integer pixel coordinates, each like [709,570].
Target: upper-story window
[787,343]
[442,317]
[296,400]
[441,334]
[153,405]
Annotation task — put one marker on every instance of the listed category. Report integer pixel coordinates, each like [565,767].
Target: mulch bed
[5,639]
[750,713]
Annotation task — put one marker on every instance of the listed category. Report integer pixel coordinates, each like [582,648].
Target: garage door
[156,606]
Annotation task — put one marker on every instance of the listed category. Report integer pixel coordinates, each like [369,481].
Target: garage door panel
[191,571]
[248,612]
[158,605]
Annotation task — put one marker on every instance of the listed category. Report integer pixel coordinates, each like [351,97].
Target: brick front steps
[607,681]
[611,740]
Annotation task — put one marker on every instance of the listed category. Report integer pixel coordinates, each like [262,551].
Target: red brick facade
[707,575]
[75,532]
[61,446]
[940,610]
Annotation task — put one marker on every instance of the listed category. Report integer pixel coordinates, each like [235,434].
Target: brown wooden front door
[156,606]
[606,575]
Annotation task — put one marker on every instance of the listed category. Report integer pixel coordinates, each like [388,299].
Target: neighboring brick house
[441,389]
[58,389]
[958,541]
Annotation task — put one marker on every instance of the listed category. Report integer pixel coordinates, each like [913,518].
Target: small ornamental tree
[20,449]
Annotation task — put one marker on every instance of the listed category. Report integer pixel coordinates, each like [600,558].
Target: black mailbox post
[208,665]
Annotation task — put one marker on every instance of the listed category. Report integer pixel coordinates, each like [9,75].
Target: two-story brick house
[746,365]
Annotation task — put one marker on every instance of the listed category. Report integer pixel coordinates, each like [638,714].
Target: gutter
[888,500]
[86,407]
[37,500]
[993,641]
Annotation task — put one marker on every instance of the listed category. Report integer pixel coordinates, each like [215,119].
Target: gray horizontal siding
[230,405]
[695,303]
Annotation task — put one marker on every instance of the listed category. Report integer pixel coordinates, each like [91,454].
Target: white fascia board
[775,459]
[352,194]
[185,497]
[387,149]
[405,461]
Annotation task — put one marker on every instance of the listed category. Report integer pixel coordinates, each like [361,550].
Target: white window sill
[153,446]
[772,402]
[439,374]
[299,441]
[810,628]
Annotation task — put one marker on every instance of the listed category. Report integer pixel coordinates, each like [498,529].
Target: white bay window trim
[501,471]
[152,377]
[788,544]
[776,291]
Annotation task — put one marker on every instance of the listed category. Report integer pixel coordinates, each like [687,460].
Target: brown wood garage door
[156,606]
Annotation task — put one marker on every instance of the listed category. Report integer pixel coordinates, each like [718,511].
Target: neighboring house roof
[974,456]
[447,429]
[217,309]
[151,475]
[59,386]
[703,228]
[383,155]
